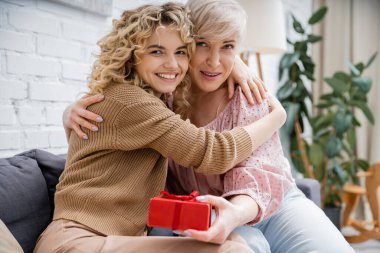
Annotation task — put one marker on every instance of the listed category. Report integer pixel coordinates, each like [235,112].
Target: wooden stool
[351,194]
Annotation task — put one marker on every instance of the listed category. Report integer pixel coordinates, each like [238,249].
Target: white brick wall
[16,41]
[45,58]
[24,19]
[32,65]
[12,90]
[7,113]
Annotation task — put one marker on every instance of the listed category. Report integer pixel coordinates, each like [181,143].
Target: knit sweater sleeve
[150,124]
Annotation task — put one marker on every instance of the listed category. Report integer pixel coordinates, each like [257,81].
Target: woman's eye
[156,52]
[201,44]
[181,52]
[229,46]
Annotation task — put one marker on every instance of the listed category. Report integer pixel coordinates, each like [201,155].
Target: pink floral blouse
[265,175]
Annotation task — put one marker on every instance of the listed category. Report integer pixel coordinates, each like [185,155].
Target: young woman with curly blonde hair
[101,201]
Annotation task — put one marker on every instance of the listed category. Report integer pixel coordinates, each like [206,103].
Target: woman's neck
[206,106]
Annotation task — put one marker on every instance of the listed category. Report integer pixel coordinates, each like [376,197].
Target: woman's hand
[248,82]
[76,116]
[227,219]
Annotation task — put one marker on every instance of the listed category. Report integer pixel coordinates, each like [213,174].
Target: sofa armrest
[311,188]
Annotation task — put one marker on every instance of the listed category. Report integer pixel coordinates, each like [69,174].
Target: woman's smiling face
[165,61]
[212,63]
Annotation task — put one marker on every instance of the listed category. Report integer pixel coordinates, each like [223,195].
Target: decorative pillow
[27,187]
[51,167]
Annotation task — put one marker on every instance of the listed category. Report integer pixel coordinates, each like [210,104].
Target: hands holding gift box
[189,215]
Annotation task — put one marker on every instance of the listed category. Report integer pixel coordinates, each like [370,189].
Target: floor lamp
[265,29]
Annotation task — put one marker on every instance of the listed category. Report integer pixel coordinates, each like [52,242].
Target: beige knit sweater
[109,179]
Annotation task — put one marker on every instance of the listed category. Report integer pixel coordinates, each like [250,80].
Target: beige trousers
[71,237]
[8,244]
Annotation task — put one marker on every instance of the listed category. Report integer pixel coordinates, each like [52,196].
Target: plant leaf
[367,112]
[356,122]
[285,91]
[333,147]
[342,122]
[353,69]
[292,110]
[347,148]
[338,101]
[342,76]
[301,47]
[304,108]
[337,85]
[316,155]
[309,75]
[360,66]
[326,97]
[322,121]
[318,15]
[288,59]
[351,138]
[313,38]
[364,83]
[294,72]
[373,57]
[308,64]
[324,105]
[321,133]
[363,164]
[289,41]
[339,172]
[297,26]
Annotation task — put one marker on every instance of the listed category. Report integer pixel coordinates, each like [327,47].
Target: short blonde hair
[218,19]
[120,49]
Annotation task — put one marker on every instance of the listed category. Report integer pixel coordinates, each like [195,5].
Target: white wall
[45,57]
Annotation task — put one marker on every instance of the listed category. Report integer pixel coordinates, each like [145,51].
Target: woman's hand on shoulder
[221,228]
[248,82]
[76,116]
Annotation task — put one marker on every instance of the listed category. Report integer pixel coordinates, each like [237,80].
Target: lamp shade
[265,26]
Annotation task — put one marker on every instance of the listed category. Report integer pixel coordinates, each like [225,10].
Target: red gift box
[179,212]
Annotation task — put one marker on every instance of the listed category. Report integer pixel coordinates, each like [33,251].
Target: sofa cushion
[24,199]
[51,167]
[27,187]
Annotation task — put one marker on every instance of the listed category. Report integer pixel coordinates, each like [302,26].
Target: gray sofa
[27,187]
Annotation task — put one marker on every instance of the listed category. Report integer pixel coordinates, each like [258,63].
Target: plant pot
[334,214]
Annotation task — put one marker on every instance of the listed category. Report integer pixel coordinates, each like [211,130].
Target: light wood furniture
[351,193]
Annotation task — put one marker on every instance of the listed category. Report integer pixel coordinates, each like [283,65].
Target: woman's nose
[171,62]
[213,59]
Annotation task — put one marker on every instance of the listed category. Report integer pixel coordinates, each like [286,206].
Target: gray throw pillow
[24,200]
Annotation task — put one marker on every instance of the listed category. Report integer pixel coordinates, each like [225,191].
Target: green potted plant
[295,69]
[332,151]
[329,154]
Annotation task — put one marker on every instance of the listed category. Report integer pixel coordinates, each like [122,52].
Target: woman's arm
[262,129]
[76,116]
[148,124]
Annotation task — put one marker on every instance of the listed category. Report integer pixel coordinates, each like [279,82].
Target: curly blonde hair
[121,48]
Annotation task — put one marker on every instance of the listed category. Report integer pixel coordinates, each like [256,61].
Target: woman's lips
[167,77]
[210,75]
